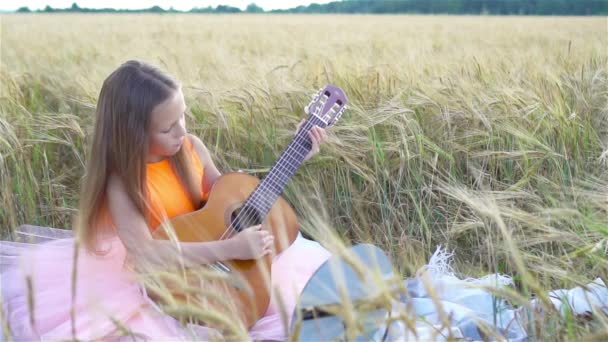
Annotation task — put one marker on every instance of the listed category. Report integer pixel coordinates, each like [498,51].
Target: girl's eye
[169,130]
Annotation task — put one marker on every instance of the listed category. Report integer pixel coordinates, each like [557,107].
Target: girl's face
[167,128]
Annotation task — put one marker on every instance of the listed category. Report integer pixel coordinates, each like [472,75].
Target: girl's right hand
[252,243]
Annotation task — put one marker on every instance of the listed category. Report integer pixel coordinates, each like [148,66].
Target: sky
[182,5]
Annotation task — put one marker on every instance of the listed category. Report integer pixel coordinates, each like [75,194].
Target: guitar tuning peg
[306,110]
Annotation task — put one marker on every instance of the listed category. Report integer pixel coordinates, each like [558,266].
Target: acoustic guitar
[238,201]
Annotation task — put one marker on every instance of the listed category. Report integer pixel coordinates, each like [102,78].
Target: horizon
[456,7]
[180,5]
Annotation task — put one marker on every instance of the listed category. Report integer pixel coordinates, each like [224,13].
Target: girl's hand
[317,136]
[251,243]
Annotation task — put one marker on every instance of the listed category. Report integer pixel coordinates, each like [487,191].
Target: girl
[144,168]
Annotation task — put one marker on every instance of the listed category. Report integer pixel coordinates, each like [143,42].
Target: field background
[484,134]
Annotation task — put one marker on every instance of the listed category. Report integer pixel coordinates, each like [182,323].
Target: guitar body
[211,223]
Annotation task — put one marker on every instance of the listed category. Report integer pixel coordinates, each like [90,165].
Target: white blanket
[467,305]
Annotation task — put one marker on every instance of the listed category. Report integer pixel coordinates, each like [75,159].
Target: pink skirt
[107,294]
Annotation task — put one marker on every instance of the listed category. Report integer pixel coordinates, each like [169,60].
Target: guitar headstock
[328,104]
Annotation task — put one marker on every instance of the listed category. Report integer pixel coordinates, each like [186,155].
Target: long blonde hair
[120,145]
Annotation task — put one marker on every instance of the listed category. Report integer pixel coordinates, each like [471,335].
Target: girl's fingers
[317,132]
[317,136]
[320,134]
[314,139]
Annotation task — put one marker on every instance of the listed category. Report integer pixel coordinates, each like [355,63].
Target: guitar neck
[273,184]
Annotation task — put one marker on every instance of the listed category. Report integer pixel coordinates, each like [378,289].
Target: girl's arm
[135,235]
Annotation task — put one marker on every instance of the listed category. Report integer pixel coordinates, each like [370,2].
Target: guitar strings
[249,211]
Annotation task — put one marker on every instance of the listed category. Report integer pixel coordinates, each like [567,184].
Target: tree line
[497,7]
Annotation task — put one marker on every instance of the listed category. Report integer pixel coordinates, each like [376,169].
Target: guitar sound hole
[244,217]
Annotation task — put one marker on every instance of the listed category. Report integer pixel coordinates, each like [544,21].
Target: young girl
[144,168]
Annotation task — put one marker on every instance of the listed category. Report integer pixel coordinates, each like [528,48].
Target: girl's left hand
[317,136]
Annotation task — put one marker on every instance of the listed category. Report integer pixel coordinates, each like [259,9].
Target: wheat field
[484,134]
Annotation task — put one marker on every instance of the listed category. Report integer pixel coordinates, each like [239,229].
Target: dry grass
[488,135]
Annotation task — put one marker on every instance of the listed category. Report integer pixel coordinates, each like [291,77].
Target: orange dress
[168,198]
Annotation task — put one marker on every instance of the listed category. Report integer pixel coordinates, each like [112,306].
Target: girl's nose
[181,129]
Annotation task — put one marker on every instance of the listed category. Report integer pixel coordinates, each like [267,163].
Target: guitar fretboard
[273,184]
